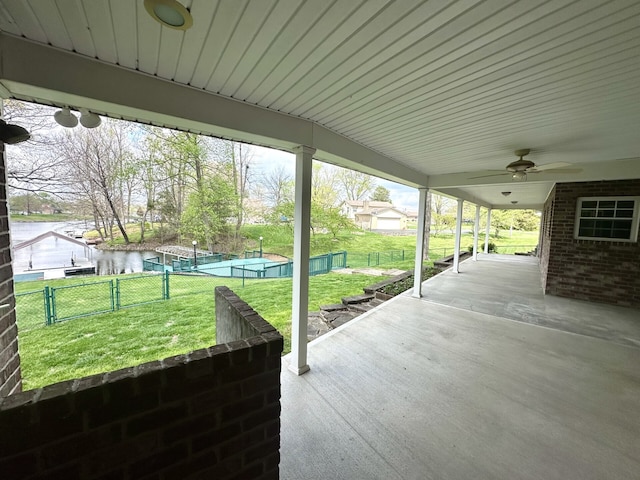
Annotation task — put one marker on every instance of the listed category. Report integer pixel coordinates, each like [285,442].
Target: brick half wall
[593,270]
[212,413]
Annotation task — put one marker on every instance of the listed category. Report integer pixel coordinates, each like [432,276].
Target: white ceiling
[413,88]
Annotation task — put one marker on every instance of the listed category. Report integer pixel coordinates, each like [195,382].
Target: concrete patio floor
[470,382]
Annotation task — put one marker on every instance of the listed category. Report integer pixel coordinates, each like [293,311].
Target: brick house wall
[10,378]
[212,413]
[593,270]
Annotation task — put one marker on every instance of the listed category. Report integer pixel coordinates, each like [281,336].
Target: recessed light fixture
[506,194]
[514,201]
[169,13]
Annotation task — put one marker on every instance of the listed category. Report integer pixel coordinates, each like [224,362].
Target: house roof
[379,212]
[369,203]
[426,93]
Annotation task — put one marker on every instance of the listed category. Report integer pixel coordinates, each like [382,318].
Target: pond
[56,253]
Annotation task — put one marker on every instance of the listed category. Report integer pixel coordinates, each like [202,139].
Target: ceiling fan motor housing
[520,165]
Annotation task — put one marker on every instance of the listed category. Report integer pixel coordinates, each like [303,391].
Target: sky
[265,159]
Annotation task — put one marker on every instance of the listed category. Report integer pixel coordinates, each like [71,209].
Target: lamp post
[260,247]
[195,258]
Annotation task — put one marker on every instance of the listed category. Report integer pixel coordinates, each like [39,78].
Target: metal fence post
[112,299]
[117,295]
[166,285]
[47,306]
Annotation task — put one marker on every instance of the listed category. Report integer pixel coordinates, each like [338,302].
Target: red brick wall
[591,270]
[10,380]
[214,413]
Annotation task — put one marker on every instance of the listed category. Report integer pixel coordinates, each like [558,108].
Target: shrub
[492,248]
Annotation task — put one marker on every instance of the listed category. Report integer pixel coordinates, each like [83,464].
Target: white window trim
[634,221]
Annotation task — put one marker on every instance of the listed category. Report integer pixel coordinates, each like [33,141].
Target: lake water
[52,252]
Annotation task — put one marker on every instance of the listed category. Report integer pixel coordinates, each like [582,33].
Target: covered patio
[482,377]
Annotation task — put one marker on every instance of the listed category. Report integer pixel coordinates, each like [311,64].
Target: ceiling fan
[521,167]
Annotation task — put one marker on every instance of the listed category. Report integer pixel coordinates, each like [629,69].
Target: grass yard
[279,239]
[186,322]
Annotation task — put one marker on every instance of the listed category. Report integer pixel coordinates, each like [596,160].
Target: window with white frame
[607,218]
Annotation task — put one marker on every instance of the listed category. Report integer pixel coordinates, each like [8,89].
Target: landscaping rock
[333,307]
[365,297]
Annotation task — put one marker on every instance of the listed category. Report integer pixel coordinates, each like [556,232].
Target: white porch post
[301,238]
[417,271]
[476,229]
[487,232]
[456,253]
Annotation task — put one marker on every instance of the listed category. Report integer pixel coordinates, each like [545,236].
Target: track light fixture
[12,134]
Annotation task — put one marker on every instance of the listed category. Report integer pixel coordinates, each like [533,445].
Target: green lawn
[42,217]
[186,322]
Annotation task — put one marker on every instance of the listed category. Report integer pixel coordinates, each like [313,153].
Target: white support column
[487,232]
[456,253]
[301,238]
[417,270]
[476,231]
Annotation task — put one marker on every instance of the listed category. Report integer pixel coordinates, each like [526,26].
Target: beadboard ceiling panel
[441,87]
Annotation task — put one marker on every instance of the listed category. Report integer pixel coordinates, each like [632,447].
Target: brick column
[10,378]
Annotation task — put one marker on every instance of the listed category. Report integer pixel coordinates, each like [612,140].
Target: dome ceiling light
[169,13]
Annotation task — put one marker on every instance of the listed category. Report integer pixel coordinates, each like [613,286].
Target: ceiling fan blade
[558,170]
[492,175]
[548,166]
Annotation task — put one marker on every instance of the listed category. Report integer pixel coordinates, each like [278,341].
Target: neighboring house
[373,215]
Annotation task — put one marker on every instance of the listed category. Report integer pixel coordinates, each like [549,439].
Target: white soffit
[441,87]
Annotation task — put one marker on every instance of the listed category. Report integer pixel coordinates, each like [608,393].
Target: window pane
[587,223]
[589,204]
[586,232]
[607,204]
[624,213]
[626,204]
[587,213]
[603,232]
[622,224]
[621,233]
[602,224]
[605,213]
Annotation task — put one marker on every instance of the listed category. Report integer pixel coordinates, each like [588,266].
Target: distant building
[373,215]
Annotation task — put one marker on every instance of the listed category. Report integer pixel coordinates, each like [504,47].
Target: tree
[355,185]
[277,187]
[381,194]
[443,213]
[35,165]
[205,216]
[94,157]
